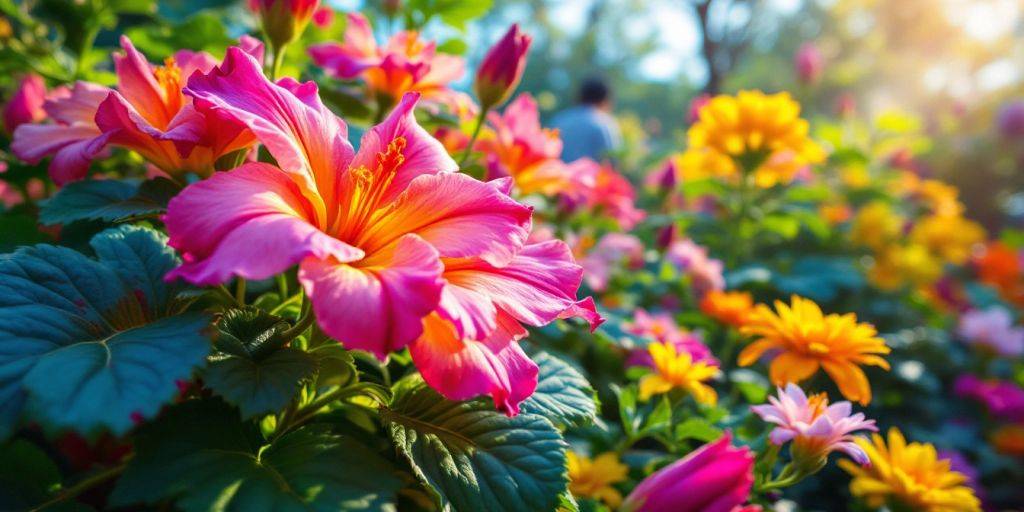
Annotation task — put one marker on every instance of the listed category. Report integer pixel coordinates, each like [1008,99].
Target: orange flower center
[365,192]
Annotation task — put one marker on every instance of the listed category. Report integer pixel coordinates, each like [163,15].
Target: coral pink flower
[404,64]
[662,328]
[809,63]
[705,273]
[613,251]
[502,68]
[992,328]
[26,105]
[515,144]
[393,246]
[815,427]
[1003,399]
[611,194]
[147,114]
[713,478]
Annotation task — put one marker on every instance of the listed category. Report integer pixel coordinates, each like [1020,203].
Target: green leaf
[82,342]
[26,476]
[107,200]
[249,332]
[474,457]
[202,456]
[563,395]
[19,229]
[697,428]
[784,225]
[336,365]
[260,386]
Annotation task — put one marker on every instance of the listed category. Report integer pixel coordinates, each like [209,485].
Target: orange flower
[730,308]
[806,340]
[1000,266]
[1009,440]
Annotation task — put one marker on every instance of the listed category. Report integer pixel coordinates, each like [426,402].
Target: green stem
[472,140]
[278,56]
[87,44]
[223,292]
[306,318]
[305,413]
[282,285]
[84,485]
[240,291]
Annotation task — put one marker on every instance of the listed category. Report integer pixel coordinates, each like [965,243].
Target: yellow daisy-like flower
[876,226]
[910,473]
[595,478]
[897,265]
[753,131]
[806,339]
[952,238]
[674,369]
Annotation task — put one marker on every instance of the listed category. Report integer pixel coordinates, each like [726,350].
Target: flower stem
[86,484]
[472,140]
[240,291]
[305,320]
[278,56]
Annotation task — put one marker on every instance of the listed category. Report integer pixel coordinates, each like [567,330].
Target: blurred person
[589,129]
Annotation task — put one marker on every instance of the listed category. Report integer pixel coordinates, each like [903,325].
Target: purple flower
[992,328]
[1003,399]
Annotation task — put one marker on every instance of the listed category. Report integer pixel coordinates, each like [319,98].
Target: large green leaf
[107,200]
[260,386]
[563,395]
[87,344]
[474,457]
[202,456]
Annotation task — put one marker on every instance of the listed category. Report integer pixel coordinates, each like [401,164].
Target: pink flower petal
[304,137]
[138,85]
[457,214]
[250,222]
[73,148]
[423,154]
[536,287]
[461,369]
[377,306]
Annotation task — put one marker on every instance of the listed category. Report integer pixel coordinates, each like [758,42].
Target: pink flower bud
[695,105]
[502,68]
[809,63]
[323,17]
[714,478]
[284,20]
[26,105]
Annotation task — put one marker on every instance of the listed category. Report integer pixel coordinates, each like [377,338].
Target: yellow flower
[752,131]
[730,308]
[911,474]
[940,198]
[595,478]
[950,238]
[674,369]
[807,339]
[876,226]
[897,265]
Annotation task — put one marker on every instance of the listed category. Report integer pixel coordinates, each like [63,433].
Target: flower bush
[304,270]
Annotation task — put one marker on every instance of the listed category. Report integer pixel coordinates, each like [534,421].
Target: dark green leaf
[474,457]
[107,200]
[260,386]
[249,332]
[18,230]
[81,342]
[202,456]
[563,395]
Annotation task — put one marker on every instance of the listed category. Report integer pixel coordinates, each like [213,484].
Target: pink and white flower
[815,427]
[662,328]
[705,273]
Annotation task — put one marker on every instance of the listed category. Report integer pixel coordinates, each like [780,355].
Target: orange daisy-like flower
[730,308]
[806,339]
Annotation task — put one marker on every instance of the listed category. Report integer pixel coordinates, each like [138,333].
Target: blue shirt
[586,132]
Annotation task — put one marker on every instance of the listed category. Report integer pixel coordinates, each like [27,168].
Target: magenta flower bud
[697,103]
[1011,119]
[26,105]
[809,63]
[714,478]
[284,20]
[502,68]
